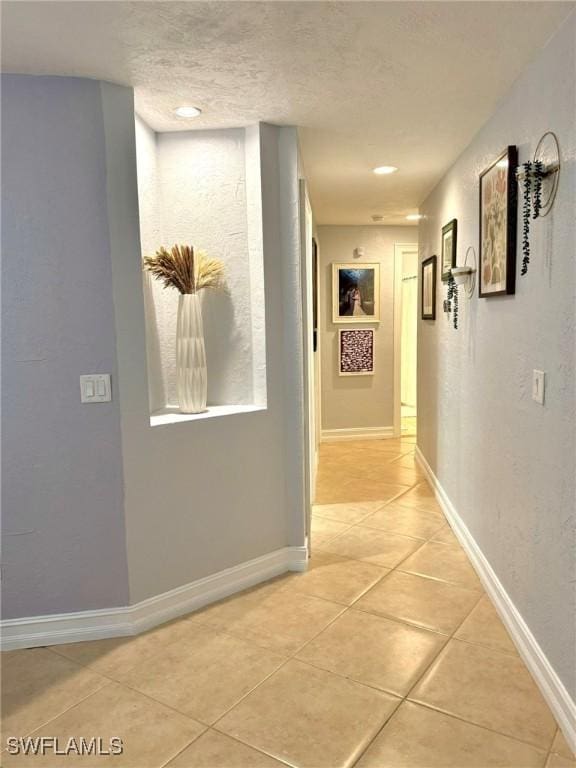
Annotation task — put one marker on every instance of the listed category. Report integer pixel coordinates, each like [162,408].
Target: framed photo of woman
[356,292]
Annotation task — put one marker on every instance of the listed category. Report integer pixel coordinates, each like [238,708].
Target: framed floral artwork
[356,292]
[356,351]
[498,200]
[449,235]
[429,289]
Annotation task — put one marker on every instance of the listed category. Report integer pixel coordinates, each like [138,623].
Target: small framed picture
[314,295]
[449,234]
[498,199]
[429,288]
[356,293]
[356,351]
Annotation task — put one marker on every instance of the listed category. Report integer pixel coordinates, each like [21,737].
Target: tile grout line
[294,655]
[422,542]
[424,672]
[64,711]
[401,699]
[481,596]
[184,748]
[427,669]
[451,714]
[320,669]
[257,749]
[228,736]
[406,698]
[128,687]
[405,490]
[111,680]
[291,657]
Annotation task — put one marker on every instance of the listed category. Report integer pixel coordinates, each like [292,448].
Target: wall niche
[202,188]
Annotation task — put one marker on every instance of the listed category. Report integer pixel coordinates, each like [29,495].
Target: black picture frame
[498,200]
[314,294]
[428,265]
[449,240]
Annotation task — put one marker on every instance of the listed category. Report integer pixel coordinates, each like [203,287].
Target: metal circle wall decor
[547,152]
[539,179]
[471,282]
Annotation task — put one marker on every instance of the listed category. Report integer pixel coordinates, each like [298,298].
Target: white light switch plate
[538,386]
[95,388]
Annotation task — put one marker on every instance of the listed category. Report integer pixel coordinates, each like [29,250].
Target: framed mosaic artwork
[356,352]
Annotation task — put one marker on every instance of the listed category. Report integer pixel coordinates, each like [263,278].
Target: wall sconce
[358,253]
[466,274]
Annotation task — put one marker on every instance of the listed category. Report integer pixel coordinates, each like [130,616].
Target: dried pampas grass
[184,269]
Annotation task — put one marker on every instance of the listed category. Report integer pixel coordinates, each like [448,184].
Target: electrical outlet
[538,386]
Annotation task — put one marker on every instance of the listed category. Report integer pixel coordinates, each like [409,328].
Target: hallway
[280,240]
[385,653]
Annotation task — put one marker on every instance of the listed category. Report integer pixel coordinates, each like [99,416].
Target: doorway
[405,338]
[311,356]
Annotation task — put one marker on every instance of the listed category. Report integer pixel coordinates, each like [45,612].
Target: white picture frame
[356,292]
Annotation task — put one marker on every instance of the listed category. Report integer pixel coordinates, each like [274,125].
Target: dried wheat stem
[185,270]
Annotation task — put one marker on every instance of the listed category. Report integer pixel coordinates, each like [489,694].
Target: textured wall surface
[193,190]
[110,510]
[62,460]
[363,78]
[205,495]
[151,238]
[363,401]
[507,463]
[148,187]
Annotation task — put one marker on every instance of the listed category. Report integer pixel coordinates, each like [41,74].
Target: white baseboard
[551,687]
[33,631]
[356,433]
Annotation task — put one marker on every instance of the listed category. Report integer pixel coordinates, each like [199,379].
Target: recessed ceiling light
[414,216]
[383,170]
[188,111]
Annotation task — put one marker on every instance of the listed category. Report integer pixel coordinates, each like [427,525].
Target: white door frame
[310,415]
[399,250]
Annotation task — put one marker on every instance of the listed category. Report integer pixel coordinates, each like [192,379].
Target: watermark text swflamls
[44,745]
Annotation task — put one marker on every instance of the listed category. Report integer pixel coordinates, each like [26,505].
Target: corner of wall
[125,253]
[252,150]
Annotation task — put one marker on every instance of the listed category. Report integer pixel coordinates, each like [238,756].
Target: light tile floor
[385,654]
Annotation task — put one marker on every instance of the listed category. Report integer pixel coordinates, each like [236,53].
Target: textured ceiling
[368,83]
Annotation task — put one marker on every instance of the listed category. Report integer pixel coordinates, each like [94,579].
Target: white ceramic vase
[191,374]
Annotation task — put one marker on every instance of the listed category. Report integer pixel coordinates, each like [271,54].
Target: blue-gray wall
[63,546]
[101,509]
[506,462]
